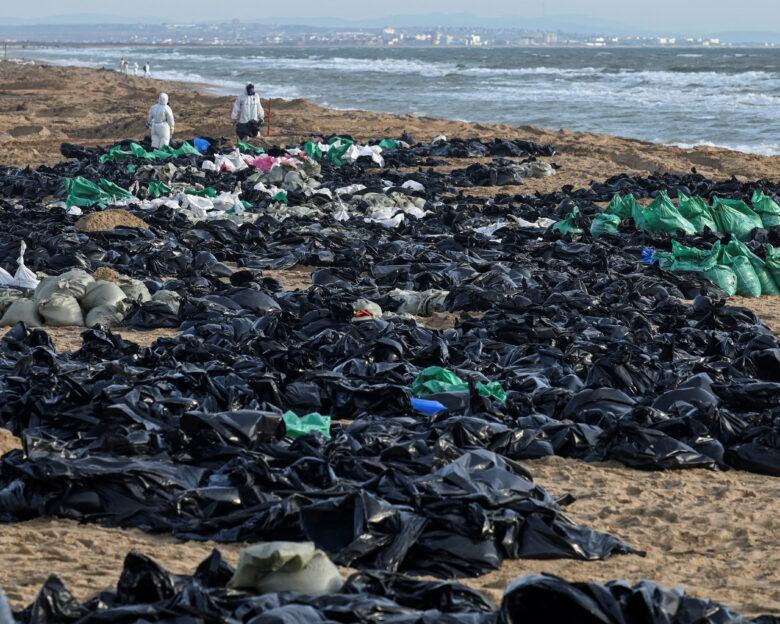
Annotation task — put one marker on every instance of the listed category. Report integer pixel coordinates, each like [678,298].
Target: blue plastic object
[201,144]
[647,255]
[428,407]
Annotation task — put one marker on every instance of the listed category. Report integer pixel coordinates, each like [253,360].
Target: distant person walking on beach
[147,70]
[161,122]
[135,68]
[249,112]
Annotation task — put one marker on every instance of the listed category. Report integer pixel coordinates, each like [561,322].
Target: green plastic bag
[313,150]
[335,154]
[661,216]
[164,152]
[206,192]
[568,225]
[621,207]
[158,188]
[388,144]
[114,192]
[765,278]
[766,208]
[773,262]
[735,217]
[604,223]
[665,259]
[436,379]
[300,426]
[246,147]
[281,196]
[748,284]
[724,277]
[692,259]
[84,193]
[493,389]
[696,210]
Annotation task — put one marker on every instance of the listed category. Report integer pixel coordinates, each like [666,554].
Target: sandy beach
[713,533]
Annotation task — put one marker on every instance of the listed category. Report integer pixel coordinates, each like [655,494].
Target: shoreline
[226,87]
[200,111]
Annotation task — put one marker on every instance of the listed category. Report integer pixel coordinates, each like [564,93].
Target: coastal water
[724,97]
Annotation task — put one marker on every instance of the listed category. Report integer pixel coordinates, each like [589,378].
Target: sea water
[725,97]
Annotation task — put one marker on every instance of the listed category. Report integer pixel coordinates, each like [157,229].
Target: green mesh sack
[766,279]
[569,225]
[661,216]
[604,223]
[696,210]
[724,277]
[735,217]
[766,208]
[692,259]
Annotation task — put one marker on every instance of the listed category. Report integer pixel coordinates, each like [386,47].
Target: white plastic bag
[414,185]
[6,279]
[286,566]
[24,277]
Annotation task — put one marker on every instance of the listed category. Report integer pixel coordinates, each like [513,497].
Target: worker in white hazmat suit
[249,112]
[161,122]
[135,68]
[147,70]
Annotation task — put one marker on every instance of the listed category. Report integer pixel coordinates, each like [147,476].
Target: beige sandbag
[169,297]
[102,293]
[286,566]
[107,315]
[7,297]
[134,289]
[61,310]
[24,310]
[75,282]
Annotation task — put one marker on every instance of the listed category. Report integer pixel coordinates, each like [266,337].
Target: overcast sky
[687,15]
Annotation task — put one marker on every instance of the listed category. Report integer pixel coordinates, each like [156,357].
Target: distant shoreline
[36,45]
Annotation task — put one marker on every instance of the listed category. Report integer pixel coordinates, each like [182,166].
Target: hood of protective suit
[163,99]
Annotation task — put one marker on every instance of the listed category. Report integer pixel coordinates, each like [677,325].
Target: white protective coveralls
[147,71]
[161,122]
[248,108]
